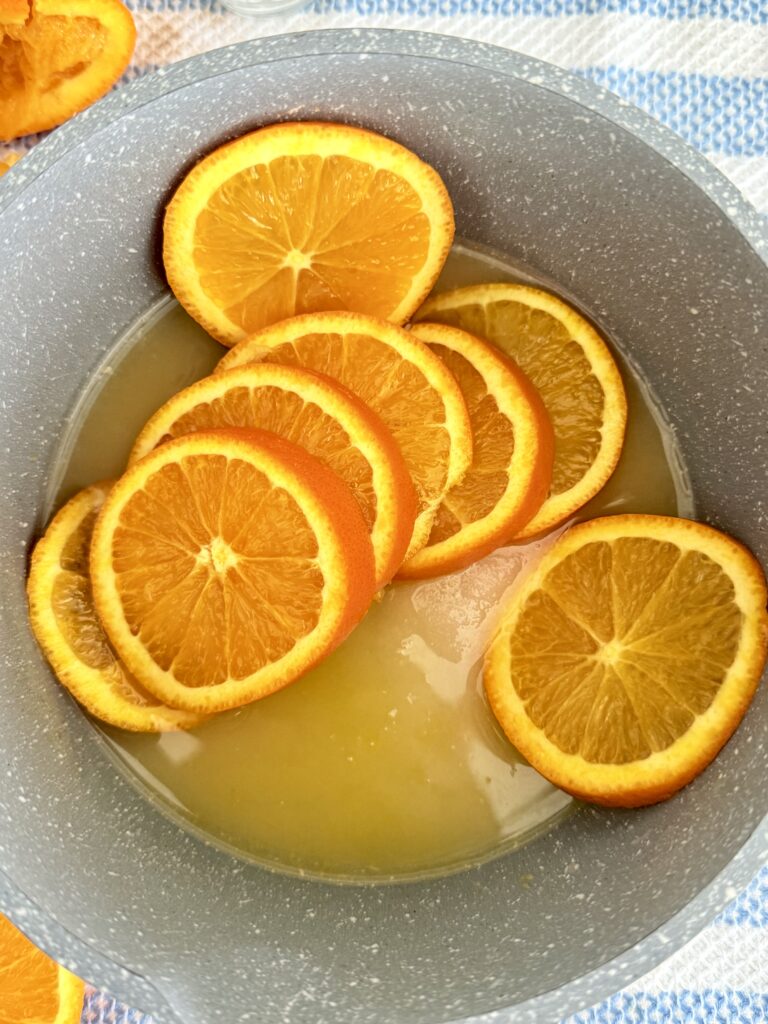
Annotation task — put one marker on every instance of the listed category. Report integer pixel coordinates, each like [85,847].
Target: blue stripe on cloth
[214,6]
[709,1006]
[751,908]
[100,1008]
[714,113]
[753,11]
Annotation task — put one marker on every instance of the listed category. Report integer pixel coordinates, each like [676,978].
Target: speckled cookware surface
[664,254]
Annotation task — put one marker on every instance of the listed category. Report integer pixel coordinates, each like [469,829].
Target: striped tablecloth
[700,66]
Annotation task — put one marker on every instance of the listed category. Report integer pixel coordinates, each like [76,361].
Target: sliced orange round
[65,624]
[570,366]
[512,454]
[225,564]
[57,57]
[33,988]
[324,418]
[629,656]
[394,373]
[301,217]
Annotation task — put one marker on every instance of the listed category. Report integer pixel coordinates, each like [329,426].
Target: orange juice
[384,762]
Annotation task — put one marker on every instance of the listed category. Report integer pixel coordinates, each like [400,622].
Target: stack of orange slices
[336,448]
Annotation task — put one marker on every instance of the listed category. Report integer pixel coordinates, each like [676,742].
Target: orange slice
[409,387]
[33,988]
[57,57]
[14,12]
[66,626]
[629,657]
[7,161]
[225,564]
[570,366]
[297,218]
[512,446]
[319,414]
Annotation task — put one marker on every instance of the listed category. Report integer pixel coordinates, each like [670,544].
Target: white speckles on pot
[659,247]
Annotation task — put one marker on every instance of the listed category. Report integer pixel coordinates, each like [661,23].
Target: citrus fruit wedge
[570,366]
[512,454]
[65,624]
[324,418]
[394,373]
[629,656]
[57,57]
[33,988]
[225,564]
[296,218]
[14,12]
[7,161]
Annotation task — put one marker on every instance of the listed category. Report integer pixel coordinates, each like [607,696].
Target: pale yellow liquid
[383,762]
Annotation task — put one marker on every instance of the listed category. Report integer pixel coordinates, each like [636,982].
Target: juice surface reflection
[384,761]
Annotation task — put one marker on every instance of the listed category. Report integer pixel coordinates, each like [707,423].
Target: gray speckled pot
[664,253]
